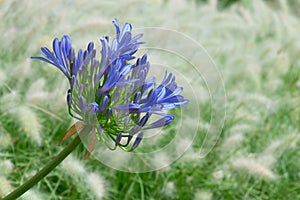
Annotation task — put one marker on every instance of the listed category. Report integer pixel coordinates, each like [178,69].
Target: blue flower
[114,91]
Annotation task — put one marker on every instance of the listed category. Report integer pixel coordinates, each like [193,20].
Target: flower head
[114,95]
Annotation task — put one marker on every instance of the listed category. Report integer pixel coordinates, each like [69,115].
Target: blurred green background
[256,48]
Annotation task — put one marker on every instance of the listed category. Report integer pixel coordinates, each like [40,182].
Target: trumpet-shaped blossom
[113,95]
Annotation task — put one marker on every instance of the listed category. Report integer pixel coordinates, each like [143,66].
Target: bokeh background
[256,48]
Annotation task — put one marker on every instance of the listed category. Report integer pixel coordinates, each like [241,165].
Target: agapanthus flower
[114,95]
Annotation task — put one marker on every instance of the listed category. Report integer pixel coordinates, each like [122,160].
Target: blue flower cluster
[112,95]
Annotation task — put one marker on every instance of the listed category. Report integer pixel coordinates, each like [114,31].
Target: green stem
[48,167]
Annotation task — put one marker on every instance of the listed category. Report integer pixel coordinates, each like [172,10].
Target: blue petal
[167,119]
[117,25]
[118,139]
[43,59]
[48,54]
[126,69]
[137,141]
[82,104]
[93,108]
[57,51]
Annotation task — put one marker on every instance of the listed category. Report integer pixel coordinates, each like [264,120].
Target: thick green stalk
[48,167]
